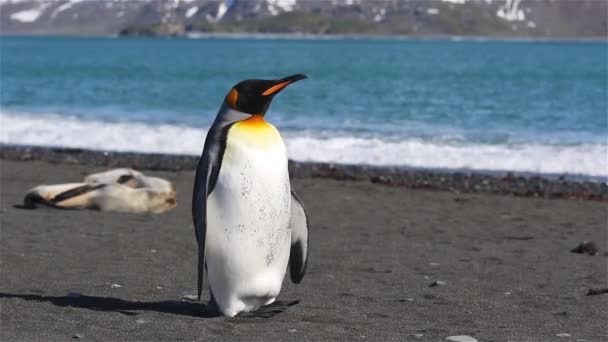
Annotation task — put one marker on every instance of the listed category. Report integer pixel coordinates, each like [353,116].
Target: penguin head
[254,96]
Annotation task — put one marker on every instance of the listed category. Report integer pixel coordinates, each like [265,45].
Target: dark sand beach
[375,249]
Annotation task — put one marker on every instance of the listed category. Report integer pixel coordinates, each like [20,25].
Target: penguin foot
[212,309]
[269,310]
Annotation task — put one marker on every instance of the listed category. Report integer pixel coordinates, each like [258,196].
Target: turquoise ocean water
[538,107]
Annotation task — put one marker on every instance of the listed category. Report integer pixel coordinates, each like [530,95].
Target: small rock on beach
[586,247]
[595,292]
[461,338]
[437,283]
[189,297]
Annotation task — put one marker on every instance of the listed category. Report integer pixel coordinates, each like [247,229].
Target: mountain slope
[519,18]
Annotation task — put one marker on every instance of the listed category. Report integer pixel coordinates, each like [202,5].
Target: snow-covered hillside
[581,18]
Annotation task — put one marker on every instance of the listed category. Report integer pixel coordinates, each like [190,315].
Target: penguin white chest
[248,219]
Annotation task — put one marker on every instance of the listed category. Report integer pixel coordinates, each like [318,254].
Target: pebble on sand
[437,283]
[461,338]
[406,300]
[595,292]
[586,247]
[189,297]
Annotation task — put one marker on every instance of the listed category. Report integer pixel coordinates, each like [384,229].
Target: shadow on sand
[126,307]
[122,306]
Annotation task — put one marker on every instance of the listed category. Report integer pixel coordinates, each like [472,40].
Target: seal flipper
[32,199]
[298,255]
[81,190]
[61,196]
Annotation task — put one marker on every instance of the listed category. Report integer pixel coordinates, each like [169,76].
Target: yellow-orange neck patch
[255,121]
[256,131]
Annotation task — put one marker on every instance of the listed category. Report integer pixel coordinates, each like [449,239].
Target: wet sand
[375,249]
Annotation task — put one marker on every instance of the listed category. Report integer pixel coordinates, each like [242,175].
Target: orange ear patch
[275,88]
[232,97]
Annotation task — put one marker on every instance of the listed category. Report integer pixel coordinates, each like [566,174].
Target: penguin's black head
[254,96]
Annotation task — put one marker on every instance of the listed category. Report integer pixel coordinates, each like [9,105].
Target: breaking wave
[56,130]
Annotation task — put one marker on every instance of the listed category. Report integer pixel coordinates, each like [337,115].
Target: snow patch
[510,11]
[191,11]
[276,6]
[380,15]
[12,1]
[64,7]
[175,3]
[457,2]
[272,9]
[27,16]
[221,10]
[30,15]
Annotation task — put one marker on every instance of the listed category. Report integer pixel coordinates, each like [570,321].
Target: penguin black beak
[282,83]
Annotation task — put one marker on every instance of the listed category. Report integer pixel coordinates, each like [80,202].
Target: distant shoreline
[459,181]
[307,36]
[456,38]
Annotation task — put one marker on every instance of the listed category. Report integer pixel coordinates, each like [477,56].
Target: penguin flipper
[207,172]
[298,255]
[199,212]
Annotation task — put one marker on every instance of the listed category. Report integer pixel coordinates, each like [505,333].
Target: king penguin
[249,223]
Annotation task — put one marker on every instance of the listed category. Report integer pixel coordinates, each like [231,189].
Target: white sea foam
[580,159]
[55,130]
